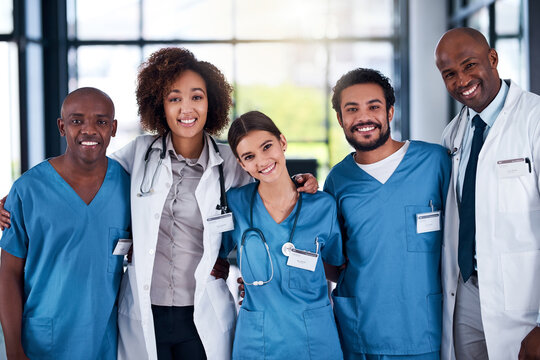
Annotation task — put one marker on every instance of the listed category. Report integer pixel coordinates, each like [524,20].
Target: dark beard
[369,147]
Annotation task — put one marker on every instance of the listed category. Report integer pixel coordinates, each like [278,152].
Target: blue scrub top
[71,277]
[389,298]
[290,316]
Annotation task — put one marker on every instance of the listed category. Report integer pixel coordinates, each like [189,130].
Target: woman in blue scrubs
[283,237]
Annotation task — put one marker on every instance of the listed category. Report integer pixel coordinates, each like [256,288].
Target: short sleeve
[332,249]
[15,238]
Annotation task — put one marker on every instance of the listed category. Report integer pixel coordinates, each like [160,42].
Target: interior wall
[428,97]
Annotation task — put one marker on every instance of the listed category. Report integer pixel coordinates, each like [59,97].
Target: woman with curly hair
[170,306]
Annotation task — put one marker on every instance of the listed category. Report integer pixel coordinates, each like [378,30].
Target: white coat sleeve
[126,155]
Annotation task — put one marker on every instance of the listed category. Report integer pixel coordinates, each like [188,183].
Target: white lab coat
[215,312]
[507,228]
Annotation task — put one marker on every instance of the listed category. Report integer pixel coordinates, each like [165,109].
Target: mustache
[364,123]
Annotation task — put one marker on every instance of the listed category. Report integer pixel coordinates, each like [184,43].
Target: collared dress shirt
[180,240]
[488,115]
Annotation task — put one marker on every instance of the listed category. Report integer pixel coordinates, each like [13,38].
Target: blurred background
[282,56]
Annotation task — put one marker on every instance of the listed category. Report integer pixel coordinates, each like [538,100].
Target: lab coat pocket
[520,280]
[37,338]
[346,311]
[249,336]
[128,305]
[116,262]
[518,194]
[424,242]
[222,303]
[322,335]
[434,305]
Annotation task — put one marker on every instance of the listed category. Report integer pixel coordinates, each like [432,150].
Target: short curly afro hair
[158,73]
[363,76]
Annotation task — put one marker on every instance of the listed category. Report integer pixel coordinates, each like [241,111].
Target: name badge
[513,168]
[302,259]
[428,222]
[221,223]
[122,247]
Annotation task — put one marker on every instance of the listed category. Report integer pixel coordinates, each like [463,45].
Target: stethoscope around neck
[259,233]
[162,153]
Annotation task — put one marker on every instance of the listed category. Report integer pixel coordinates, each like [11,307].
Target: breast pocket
[306,280]
[425,242]
[116,262]
[518,194]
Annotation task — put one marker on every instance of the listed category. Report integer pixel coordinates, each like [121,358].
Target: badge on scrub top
[513,167]
[122,247]
[428,222]
[221,223]
[302,259]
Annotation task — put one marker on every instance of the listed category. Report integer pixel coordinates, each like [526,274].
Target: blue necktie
[467,227]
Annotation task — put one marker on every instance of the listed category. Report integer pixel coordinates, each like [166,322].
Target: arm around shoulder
[126,155]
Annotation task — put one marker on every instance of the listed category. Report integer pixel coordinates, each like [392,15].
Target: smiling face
[88,124]
[186,106]
[468,68]
[364,118]
[261,154]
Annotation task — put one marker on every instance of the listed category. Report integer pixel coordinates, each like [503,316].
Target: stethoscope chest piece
[287,247]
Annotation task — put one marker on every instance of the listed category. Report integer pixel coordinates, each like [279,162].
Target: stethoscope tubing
[263,239]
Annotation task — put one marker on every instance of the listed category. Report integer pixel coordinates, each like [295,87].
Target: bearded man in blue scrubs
[390,195]
[59,271]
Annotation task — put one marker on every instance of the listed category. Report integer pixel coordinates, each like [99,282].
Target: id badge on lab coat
[302,259]
[221,223]
[428,222]
[513,167]
[122,247]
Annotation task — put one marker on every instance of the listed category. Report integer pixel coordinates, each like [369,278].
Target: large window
[282,56]
[10,161]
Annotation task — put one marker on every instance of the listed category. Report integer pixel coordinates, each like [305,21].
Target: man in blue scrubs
[59,271]
[390,195]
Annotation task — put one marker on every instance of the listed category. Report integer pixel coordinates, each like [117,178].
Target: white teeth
[187,121]
[268,169]
[469,92]
[367,128]
[89,143]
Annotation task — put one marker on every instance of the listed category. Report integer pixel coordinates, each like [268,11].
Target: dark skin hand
[308,183]
[241,289]
[221,269]
[11,304]
[5,222]
[530,346]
